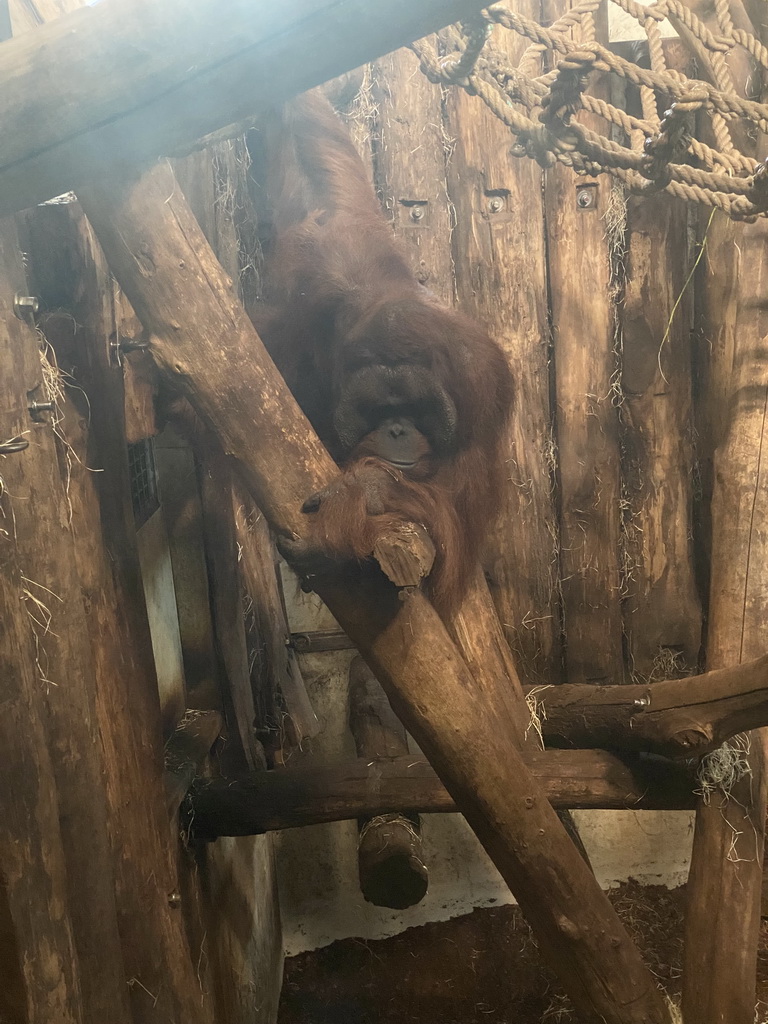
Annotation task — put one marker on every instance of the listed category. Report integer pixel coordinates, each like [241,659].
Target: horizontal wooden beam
[124,82]
[293,797]
[677,717]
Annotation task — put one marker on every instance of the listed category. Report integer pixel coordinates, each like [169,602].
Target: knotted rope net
[659,147]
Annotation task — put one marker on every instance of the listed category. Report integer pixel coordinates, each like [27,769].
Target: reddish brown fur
[334,263]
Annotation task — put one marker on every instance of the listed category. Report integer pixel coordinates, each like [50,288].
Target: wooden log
[724,887]
[662,610]
[501,278]
[585,418]
[200,336]
[390,856]
[103,108]
[185,753]
[281,667]
[678,717]
[224,210]
[227,605]
[68,273]
[39,949]
[295,797]
[726,870]
[43,535]
[183,514]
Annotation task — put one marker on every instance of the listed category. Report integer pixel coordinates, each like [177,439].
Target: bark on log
[69,273]
[725,881]
[45,545]
[33,875]
[390,857]
[120,94]
[294,797]
[201,336]
[677,718]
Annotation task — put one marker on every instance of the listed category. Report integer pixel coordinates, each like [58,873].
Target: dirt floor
[483,968]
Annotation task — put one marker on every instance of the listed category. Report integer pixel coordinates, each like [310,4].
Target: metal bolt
[496,205]
[174,899]
[16,444]
[36,408]
[586,198]
[642,702]
[26,306]
[417,213]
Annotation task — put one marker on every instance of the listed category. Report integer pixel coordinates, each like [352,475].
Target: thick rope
[659,153]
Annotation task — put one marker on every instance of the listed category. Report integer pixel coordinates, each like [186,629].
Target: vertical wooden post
[583,322]
[501,278]
[258,564]
[724,887]
[390,859]
[227,604]
[42,531]
[200,332]
[662,611]
[69,274]
[33,870]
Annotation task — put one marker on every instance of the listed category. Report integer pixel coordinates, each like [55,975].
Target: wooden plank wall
[592,562]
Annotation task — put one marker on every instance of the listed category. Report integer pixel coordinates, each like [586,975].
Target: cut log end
[406,555]
[392,872]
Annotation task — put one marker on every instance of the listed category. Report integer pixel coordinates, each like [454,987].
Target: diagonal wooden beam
[467,722]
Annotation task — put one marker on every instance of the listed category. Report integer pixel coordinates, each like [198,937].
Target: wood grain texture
[295,797]
[678,717]
[662,610]
[43,973]
[724,887]
[501,278]
[200,334]
[44,539]
[71,278]
[120,95]
[390,856]
[410,150]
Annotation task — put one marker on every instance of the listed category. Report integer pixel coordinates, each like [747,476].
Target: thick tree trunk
[201,336]
[43,981]
[69,273]
[390,858]
[43,534]
[725,882]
